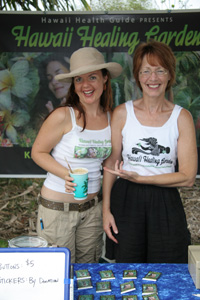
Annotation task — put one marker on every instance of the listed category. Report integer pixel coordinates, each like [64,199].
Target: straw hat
[87,60]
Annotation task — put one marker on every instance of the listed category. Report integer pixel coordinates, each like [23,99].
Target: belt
[62,206]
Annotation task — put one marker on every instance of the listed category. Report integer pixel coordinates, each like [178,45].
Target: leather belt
[62,206]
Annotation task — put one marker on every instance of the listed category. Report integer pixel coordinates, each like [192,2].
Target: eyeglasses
[147,72]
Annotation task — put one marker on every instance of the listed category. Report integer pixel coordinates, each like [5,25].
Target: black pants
[151,223]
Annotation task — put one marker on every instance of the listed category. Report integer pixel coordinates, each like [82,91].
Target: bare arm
[51,132]
[187,159]
[117,123]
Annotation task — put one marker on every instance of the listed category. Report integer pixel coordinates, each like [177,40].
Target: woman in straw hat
[79,132]
[142,210]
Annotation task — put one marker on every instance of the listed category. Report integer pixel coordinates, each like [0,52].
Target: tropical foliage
[120,5]
[187,89]
[20,86]
[43,5]
[92,5]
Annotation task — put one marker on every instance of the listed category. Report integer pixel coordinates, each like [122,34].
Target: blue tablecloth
[174,284]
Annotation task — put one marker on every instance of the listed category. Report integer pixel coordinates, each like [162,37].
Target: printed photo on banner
[36,47]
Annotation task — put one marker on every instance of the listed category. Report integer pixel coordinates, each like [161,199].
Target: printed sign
[34,273]
[29,41]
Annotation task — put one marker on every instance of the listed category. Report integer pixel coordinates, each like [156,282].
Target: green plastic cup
[80,176]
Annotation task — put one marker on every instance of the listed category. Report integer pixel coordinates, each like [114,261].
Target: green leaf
[20,92]
[20,68]
[183,98]
[11,133]
[20,118]
[5,100]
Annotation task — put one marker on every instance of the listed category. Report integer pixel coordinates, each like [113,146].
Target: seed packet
[107,297]
[82,274]
[129,274]
[130,297]
[107,275]
[86,297]
[152,276]
[151,297]
[127,287]
[84,284]
[103,286]
[148,289]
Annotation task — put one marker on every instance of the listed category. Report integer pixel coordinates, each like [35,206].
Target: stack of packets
[149,290]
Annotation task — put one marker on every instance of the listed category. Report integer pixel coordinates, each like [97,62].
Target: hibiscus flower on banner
[19,83]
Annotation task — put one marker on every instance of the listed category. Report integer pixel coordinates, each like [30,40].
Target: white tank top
[85,149]
[150,150]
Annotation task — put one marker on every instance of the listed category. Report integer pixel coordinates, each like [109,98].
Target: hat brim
[115,70]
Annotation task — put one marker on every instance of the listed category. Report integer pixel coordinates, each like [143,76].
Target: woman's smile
[90,86]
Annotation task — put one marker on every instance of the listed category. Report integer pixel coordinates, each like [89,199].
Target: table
[174,284]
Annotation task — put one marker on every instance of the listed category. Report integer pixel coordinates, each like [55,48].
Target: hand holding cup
[80,176]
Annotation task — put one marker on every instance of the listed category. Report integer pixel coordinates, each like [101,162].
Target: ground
[18,208]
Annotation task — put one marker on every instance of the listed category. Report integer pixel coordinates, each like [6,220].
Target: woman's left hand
[118,171]
[69,185]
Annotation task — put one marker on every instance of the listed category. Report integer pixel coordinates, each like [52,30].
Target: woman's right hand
[108,224]
[69,185]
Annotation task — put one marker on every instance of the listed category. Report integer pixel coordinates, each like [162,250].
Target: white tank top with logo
[85,149]
[150,150]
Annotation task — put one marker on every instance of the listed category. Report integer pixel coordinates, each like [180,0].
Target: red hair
[155,52]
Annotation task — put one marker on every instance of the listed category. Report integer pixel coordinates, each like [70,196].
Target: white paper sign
[34,273]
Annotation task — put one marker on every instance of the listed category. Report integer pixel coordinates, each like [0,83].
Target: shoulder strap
[73,118]
[129,107]
[176,111]
[109,117]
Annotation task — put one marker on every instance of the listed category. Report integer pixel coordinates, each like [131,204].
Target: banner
[34,44]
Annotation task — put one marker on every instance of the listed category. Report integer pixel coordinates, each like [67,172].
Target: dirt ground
[18,207]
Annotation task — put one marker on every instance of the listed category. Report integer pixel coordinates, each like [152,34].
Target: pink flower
[6,143]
